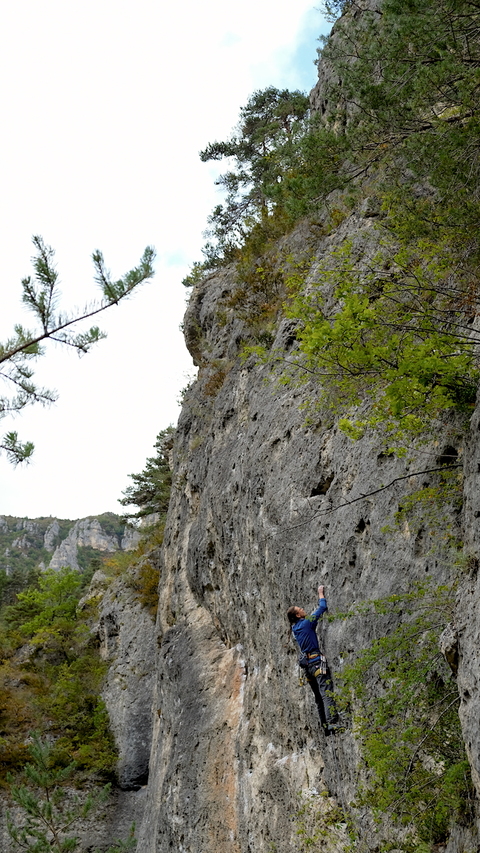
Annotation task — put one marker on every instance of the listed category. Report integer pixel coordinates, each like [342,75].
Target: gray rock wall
[266,504]
[86,533]
[468,604]
[126,634]
[264,508]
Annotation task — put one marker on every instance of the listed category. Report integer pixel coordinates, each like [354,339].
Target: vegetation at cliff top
[399,131]
[41,296]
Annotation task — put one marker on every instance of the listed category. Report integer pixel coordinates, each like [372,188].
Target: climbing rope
[332,738]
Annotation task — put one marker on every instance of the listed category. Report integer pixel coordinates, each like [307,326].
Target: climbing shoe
[335,728]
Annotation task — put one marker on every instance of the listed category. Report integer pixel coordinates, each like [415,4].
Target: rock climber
[313,662]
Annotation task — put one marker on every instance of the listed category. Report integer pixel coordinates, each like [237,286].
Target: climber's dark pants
[323,691]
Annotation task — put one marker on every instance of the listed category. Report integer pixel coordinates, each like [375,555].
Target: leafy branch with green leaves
[385,331]
[41,297]
[404,700]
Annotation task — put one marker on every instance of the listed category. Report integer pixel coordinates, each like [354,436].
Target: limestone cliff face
[29,543]
[126,634]
[468,609]
[86,533]
[264,508]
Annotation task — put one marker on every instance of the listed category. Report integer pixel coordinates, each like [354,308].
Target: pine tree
[41,297]
[48,814]
[260,147]
[151,488]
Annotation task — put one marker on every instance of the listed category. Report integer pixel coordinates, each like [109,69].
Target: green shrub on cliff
[404,704]
[406,102]
[401,123]
[384,341]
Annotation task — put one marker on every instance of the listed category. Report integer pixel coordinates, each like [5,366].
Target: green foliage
[80,716]
[257,299]
[51,675]
[112,524]
[410,100]
[145,580]
[393,337]
[49,814]
[400,121]
[404,704]
[20,577]
[117,564]
[54,599]
[40,295]
[144,573]
[408,81]
[139,567]
[150,492]
[151,488]
[22,550]
[87,558]
[261,146]
[259,294]
[321,824]
[196,274]
[333,8]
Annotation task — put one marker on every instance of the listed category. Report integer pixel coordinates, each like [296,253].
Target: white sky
[105,105]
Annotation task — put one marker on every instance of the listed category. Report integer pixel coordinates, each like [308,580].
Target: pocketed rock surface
[264,508]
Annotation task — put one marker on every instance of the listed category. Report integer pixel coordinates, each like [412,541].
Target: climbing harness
[313,664]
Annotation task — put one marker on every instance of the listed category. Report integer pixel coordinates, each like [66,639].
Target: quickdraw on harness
[314,664]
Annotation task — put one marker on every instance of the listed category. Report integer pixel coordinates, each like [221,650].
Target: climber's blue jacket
[304,630]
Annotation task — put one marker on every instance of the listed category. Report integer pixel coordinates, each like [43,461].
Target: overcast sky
[105,105]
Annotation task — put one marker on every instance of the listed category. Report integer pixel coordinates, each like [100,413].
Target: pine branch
[113,293]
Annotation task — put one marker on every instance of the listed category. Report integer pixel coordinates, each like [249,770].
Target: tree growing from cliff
[407,102]
[260,149]
[401,127]
[40,295]
[151,488]
[394,339]
[407,95]
[48,812]
[400,332]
